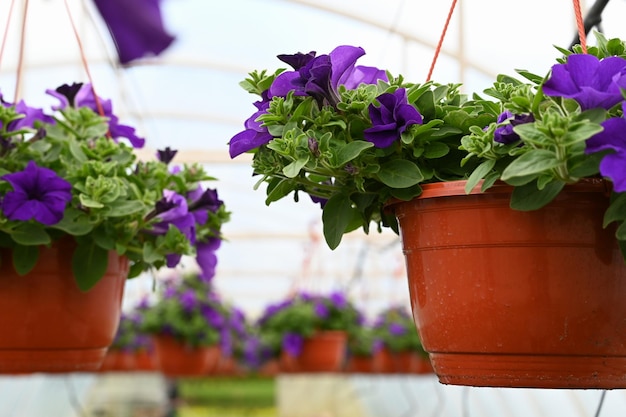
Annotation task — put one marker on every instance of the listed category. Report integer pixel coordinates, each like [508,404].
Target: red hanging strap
[443,35]
[582,36]
[6,30]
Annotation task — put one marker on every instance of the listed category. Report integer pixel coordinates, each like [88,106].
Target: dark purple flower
[297,60]
[206,258]
[201,202]
[212,316]
[377,345]
[339,300]
[226,342]
[166,155]
[592,82]
[320,310]
[505,134]
[613,138]
[292,344]
[255,133]
[172,209]
[321,76]
[38,193]
[188,300]
[136,27]
[85,97]
[391,118]
[396,329]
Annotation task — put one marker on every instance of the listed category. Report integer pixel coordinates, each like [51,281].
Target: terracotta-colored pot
[269,369]
[176,359]
[359,364]
[227,366]
[118,361]
[384,361]
[48,324]
[145,360]
[516,299]
[325,351]
[410,362]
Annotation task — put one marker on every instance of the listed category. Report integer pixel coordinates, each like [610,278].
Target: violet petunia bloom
[172,210]
[136,27]
[188,300]
[82,95]
[320,309]
[169,292]
[212,316]
[504,134]
[321,76]
[38,193]
[206,258]
[613,138]
[292,344]
[255,133]
[297,60]
[201,202]
[391,118]
[396,329]
[592,82]
[339,300]
[31,115]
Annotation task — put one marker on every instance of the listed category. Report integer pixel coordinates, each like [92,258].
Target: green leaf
[531,163]
[87,201]
[436,150]
[400,173]
[293,169]
[25,258]
[75,222]
[336,217]
[616,210]
[529,197]
[351,150]
[479,173]
[89,264]
[77,152]
[125,208]
[30,234]
[278,190]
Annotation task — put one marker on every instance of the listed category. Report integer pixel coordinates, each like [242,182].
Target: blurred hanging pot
[177,359]
[506,298]
[325,351]
[48,324]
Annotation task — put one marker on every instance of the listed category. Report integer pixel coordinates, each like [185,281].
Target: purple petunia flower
[592,82]
[136,26]
[338,299]
[172,209]
[320,310]
[613,137]
[169,292]
[206,258]
[504,134]
[82,95]
[255,133]
[292,344]
[391,118]
[31,115]
[188,300]
[38,193]
[320,76]
[166,155]
[212,316]
[201,202]
[396,329]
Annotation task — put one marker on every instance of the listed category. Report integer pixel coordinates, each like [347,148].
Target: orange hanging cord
[20,60]
[581,26]
[6,30]
[443,35]
[84,60]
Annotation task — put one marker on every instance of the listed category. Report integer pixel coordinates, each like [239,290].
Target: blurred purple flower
[206,258]
[321,310]
[188,300]
[212,316]
[339,300]
[396,329]
[166,155]
[292,344]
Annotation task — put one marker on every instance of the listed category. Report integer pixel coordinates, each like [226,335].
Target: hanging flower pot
[177,359]
[48,324]
[325,351]
[509,298]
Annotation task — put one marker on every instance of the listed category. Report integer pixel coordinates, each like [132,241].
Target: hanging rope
[6,30]
[582,35]
[443,35]
[20,59]
[84,60]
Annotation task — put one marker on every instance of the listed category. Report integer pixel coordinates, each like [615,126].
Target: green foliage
[396,329]
[113,195]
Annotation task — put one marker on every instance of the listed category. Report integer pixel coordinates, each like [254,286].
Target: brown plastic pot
[47,324]
[506,298]
[176,359]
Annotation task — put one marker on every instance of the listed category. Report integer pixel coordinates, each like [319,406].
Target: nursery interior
[188,97]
